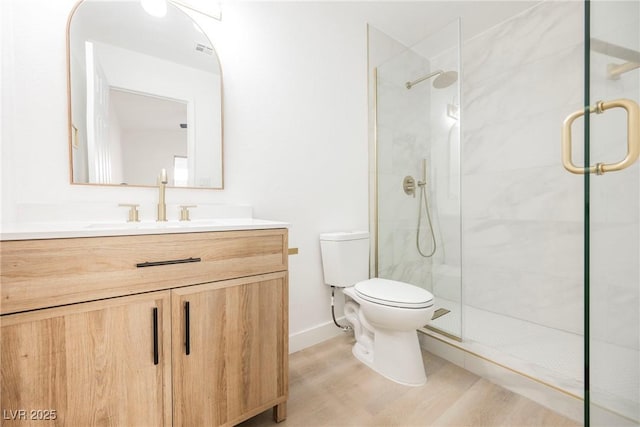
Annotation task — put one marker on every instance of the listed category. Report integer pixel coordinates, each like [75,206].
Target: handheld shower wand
[423,196]
[424,174]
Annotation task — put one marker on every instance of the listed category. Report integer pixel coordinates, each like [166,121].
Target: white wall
[295,116]
[295,125]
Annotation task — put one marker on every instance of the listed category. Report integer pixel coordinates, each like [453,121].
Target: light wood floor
[330,387]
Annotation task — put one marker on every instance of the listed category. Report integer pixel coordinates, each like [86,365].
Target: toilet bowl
[384,313]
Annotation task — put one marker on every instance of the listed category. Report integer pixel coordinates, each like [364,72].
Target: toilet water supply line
[333,313]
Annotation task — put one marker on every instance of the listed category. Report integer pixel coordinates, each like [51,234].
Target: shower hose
[423,197]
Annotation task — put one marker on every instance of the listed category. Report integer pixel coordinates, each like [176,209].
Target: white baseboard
[315,335]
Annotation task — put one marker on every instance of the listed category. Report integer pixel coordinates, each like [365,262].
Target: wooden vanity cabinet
[93,364]
[229,350]
[121,360]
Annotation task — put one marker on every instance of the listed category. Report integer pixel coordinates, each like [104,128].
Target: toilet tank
[345,257]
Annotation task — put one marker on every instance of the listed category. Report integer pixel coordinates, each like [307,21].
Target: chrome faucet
[162,206]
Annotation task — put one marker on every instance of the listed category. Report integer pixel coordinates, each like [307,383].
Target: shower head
[442,79]
[445,79]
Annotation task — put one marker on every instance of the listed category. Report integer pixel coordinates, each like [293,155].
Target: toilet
[384,313]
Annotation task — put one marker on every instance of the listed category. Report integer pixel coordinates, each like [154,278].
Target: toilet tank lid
[344,235]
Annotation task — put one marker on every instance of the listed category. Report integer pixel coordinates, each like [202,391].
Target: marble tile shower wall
[444,179]
[522,213]
[615,206]
[403,140]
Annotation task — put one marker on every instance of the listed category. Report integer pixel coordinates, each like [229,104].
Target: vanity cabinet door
[230,350]
[89,364]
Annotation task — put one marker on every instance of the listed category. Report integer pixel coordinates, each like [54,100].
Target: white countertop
[33,231]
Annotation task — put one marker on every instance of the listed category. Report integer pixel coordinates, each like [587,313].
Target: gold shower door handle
[633,137]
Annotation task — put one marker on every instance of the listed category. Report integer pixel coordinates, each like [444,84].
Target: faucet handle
[184,212]
[133,211]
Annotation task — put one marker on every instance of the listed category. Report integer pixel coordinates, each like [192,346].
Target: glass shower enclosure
[534,267]
[612,212]
[418,171]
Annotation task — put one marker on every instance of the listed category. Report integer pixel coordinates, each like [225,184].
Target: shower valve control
[409,186]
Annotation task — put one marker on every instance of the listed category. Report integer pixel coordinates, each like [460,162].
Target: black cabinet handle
[156,356]
[187,337]
[168,262]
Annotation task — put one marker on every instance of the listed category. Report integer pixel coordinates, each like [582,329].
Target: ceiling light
[157,8]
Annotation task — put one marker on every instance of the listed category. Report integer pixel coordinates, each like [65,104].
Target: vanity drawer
[44,273]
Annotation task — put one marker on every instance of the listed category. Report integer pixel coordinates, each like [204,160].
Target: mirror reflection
[145,94]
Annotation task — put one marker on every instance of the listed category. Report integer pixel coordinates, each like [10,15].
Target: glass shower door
[612,213]
[417,185]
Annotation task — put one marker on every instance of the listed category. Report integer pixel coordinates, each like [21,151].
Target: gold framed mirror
[144,94]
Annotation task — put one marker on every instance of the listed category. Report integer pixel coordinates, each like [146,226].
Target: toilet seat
[393,293]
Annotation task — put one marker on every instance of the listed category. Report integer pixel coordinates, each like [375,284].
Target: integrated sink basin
[149,225]
[28,231]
